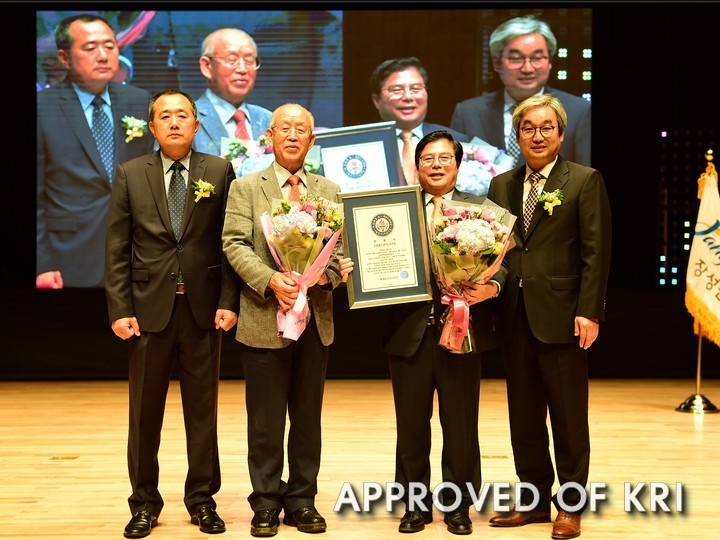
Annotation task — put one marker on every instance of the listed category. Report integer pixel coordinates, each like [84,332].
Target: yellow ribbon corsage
[203,189]
[134,127]
[550,200]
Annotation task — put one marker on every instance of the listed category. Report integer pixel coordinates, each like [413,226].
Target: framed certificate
[386,236]
[362,157]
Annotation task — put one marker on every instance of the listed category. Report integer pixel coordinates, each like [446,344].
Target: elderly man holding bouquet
[282,375]
[420,365]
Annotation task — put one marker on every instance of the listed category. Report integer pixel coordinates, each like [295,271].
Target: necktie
[408,160]
[532,198]
[176,197]
[295,188]
[102,132]
[437,206]
[241,130]
[512,147]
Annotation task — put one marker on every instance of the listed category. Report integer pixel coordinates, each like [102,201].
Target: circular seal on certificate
[382,224]
[354,166]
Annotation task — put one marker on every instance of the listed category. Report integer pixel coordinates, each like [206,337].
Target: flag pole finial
[709,171]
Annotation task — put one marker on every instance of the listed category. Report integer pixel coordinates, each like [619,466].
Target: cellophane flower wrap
[302,237]
[468,243]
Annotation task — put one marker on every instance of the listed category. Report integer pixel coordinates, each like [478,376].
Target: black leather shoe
[414,521]
[208,520]
[458,523]
[265,522]
[140,525]
[306,519]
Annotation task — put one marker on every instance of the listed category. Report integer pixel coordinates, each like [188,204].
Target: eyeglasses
[443,159]
[233,62]
[397,91]
[516,62]
[528,132]
[300,131]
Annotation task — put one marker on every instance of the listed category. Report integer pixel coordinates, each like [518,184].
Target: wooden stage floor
[63,468]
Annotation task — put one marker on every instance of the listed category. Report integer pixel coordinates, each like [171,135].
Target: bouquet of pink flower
[468,243]
[302,237]
[480,163]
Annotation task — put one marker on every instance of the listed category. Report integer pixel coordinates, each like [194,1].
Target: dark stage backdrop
[646,78]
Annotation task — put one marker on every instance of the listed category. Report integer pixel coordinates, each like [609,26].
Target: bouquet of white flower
[468,243]
[301,237]
[480,163]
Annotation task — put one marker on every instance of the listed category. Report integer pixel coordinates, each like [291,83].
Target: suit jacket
[73,187]
[482,117]
[143,256]
[247,251]
[429,128]
[564,259]
[407,322]
[212,130]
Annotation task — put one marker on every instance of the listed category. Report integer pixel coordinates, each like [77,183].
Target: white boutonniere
[203,189]
[134,127]
[551,199]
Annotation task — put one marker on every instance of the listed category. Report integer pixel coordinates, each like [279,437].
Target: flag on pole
[702,297]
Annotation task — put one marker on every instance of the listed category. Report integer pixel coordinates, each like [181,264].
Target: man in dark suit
[419,366]
[73,180]
[169,292]
[522,50]
[550,310]
[398,88]
[282,376]
[229,62]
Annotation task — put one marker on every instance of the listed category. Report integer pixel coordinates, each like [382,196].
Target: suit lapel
[270,186]
[558,177]
[313,187]
[70,105]
[257,125]
[210,121]
[118,104]
[196,172]
[156,181]
[493,123]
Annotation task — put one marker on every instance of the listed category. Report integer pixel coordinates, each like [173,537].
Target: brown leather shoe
[566,525]
[513,518]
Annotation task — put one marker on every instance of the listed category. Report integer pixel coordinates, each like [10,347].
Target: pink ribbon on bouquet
[456,325]
[292,323]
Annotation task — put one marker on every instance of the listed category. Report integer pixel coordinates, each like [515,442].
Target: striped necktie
[295,188]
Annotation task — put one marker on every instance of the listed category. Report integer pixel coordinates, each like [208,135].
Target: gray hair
[543,100]
[521,26]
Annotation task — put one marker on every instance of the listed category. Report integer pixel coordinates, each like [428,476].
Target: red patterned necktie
[295,188]
[241,130]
